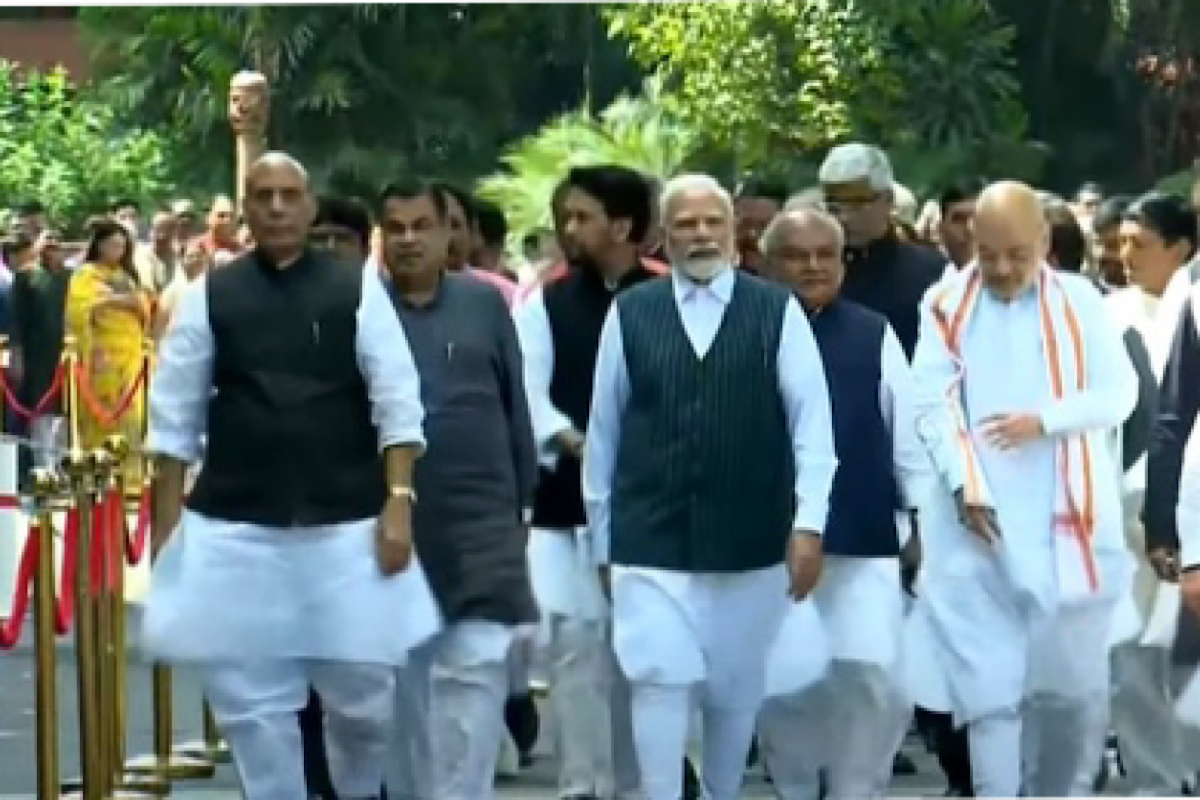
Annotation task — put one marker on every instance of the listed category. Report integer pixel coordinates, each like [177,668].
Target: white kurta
[998,622]
[667,623]
[235,592]
[561,565]
[1150,601]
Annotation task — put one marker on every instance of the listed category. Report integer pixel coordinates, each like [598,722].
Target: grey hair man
[883,272]
[883,471]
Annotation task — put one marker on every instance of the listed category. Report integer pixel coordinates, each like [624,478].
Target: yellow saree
[109,342]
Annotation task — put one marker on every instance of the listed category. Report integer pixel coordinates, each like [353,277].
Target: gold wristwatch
[405,492]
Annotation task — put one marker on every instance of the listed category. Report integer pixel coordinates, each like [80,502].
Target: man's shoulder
[923,262]
[475,292]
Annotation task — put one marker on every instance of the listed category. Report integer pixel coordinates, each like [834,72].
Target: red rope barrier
[64,613]
[93,403]
[41,405]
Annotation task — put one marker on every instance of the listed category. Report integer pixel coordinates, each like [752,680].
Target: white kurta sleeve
[1187,512]
[933,373]
[609,398]
[1112,383]
[386,363]
[914,470]
[805,396]
[181,386]
[537,347]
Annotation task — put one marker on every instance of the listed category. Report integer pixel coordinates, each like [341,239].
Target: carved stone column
[249,111]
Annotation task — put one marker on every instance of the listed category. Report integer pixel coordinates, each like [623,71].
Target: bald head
[799,218]
[1012,237]
[279,206]
[803,250]
[275,161]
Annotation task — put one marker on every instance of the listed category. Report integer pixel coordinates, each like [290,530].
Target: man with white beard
[1022,376]
[839,724]
[706,479]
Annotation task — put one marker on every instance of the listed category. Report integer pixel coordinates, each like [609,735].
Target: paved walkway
[17,770]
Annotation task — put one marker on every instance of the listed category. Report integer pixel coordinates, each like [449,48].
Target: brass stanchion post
[45,485]
[162,763]
[112,605]
[94,780]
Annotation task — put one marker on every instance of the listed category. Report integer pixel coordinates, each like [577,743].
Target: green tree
[359,91]
[71,152]
[634,131]
[780,79]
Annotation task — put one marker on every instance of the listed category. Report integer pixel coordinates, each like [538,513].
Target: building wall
[43,38]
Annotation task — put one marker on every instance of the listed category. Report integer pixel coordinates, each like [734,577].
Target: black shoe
[903,765]
[523,723]
[691,782]
[752,758]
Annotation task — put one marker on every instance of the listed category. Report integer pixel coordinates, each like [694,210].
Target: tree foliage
[775,78]
[359,91]
[71,152]
[634,131]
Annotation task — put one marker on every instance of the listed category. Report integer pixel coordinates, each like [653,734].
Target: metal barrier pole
[163,763]
[94,780]
[45,486]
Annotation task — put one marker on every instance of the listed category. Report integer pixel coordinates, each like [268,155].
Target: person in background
[1086,203]
[128,213]
[188,225]
[342,227]
[109,314]
[1106,259]
[493,237]
[156,260]
[221,239]
[30,218]
[755,205]
[883,273]
[37,307]
[464,231]
[955,229]
[194,263]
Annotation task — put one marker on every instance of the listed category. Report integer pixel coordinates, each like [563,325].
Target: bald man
[1022,377]
[291,562]
[850,723]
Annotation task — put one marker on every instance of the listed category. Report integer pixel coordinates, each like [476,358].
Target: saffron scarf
[1074,517]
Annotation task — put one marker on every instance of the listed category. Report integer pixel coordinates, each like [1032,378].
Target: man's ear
[622,230]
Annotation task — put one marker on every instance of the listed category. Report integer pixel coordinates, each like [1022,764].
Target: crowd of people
[767,468]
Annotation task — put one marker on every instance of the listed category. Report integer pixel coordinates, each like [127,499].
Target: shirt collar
[720,287]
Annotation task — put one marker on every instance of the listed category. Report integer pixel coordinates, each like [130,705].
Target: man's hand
[803,563]
[980,519]
[393,536]
[1010,431]
[570,442]
[163,523]
[1189,589]
[1165,562]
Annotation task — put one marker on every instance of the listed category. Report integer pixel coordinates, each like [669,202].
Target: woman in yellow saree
[109,315]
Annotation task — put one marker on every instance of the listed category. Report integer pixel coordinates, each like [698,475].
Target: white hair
[812,197]
[848,163]
[905,203]
[277,158]
[691,182]
[799,215]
